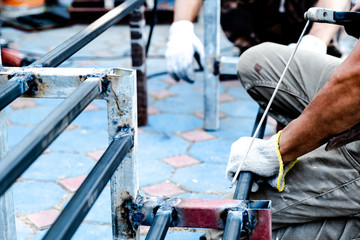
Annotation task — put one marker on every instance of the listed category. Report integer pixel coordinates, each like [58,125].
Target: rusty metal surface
[207,213]
[137,25]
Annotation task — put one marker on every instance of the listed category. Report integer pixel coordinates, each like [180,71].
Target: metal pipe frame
[7,216]
[212,53]
[117,87]
[232,230]
[26,152]
[205,213]
[137,25]
[79,205]
[161,224]
[16,87]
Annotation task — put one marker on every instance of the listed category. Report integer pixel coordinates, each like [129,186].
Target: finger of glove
[199,48]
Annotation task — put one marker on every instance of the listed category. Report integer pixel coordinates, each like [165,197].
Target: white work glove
[264,160]
[180,50]
[311,43]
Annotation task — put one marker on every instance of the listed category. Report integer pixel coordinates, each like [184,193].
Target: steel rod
[84,198]
[25,153]
[66,49]
[244,183]
[160,224]
[11,90]
[233,227]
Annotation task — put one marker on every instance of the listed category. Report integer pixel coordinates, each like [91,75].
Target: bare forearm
[186,9]
[325,32]
[333,110]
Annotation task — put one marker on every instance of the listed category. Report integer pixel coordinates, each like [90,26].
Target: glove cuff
[181,28]
[280,183]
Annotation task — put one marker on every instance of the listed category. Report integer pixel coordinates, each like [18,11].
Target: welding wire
[269,104]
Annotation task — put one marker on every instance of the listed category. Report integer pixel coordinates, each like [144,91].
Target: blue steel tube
[160,224]
[26,152]
[15,88]
[84,198]
[234,220]
[11,90]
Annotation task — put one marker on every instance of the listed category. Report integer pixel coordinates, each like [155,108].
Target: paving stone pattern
[177,158]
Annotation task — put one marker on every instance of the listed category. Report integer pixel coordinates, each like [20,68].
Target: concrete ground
[177,158]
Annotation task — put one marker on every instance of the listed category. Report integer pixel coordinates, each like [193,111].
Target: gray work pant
[321,199]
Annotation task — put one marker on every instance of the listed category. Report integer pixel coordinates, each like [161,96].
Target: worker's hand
[180,50]
[264,160]
[311,43]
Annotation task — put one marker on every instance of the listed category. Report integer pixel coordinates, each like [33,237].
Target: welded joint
[248,217]
[125,130]
[27,82]
[141,217]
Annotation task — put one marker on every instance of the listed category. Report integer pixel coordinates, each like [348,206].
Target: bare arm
[334,109]
[325,32]
[186,9]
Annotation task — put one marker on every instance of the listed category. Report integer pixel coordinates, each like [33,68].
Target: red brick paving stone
[162,94]
[96,155]
[163,190]
[86,63]
[224,97]
[169,81]
[181,161]
[21,103]
[91,107]
[72,184]
[8,122]
[197,135]
[232,83]
[140,131]
[44,219]
[71,127]
[152,111]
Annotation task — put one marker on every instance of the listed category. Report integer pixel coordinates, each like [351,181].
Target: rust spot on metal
[257,68]
[125,210]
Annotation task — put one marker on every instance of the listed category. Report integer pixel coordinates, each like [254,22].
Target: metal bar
[25,153]
[66,49]
[228,65]
[7,216]
[137,25]
[202,213]
[11,90]
[84,198]
[212,53]
[160,225]
[234,220]
[122,110]
[232,230]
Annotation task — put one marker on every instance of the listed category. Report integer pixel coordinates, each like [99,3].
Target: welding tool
[350,20]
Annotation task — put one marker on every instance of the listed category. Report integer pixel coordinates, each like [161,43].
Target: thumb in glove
[264,159]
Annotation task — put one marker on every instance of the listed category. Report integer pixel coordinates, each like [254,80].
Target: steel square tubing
[209,213]
[16,87]
[62,52]
[161,224]
[25,153]
[11,90]
[84,198]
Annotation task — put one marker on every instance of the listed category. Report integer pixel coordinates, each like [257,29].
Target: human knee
[250,61]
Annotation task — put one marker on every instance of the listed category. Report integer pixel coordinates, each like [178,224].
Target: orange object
[25,3]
